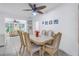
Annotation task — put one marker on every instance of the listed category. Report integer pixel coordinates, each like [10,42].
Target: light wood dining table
[41,41]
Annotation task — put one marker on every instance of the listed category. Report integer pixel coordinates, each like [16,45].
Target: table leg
[42,50]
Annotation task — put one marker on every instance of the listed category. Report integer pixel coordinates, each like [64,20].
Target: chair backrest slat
[27,40]
[21,37]
[56,41]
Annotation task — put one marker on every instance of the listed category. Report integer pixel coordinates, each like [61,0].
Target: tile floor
[3,53]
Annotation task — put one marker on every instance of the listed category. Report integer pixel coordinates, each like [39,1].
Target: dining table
[41,41]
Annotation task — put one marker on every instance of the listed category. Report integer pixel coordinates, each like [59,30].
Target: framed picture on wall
[46,22]
[50,22]
[42,22]
[56,21]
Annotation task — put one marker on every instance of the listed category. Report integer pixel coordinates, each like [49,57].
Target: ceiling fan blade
[41,7]
[40,12]
[27,9]
[30,5]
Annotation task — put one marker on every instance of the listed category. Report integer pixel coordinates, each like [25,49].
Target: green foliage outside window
[10,26]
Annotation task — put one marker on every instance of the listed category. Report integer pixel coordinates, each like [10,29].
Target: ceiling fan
[34,8]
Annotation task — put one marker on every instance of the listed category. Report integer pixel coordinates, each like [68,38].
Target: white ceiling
[16,9]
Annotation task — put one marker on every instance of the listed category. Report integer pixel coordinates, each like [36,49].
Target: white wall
[68,25]
[2,31]
[1,25]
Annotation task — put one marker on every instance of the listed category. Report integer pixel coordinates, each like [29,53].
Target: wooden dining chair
[31,48]
[53,48]
[23,44]
[50,33]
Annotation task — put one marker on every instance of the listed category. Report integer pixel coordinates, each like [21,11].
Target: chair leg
[20,49]
[30,53]
[26,49]
[23,50]
[40,52]
[57,53]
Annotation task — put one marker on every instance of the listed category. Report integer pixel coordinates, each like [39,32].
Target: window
[14,25]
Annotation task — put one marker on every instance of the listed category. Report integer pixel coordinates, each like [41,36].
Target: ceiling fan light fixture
[34,13]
